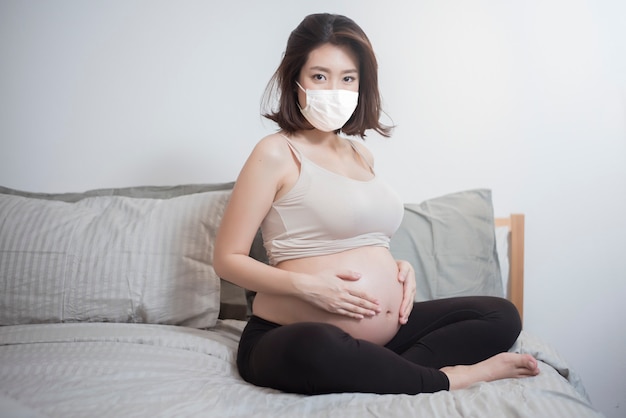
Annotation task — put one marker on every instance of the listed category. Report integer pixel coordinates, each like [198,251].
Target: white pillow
[110,258]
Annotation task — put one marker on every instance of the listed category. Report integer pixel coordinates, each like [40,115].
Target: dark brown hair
[314,31]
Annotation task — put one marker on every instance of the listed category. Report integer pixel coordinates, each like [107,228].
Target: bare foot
[500,366]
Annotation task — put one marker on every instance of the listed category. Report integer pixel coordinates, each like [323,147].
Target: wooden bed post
[516,260]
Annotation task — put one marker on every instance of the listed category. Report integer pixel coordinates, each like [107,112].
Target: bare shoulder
[272,148]
[272,145]
[270,161]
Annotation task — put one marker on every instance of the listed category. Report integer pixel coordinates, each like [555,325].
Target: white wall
[526,98]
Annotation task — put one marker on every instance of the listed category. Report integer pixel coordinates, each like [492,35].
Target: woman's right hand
[334,293]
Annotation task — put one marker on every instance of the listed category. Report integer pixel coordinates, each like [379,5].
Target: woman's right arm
[267,170]
[261,177]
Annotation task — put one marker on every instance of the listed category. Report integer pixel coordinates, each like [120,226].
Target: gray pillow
[141,192]
[141,254]
[450,241]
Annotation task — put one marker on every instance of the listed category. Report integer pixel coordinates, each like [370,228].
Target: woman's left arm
[406,275]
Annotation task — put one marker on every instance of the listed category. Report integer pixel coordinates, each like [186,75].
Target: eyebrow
[324,69]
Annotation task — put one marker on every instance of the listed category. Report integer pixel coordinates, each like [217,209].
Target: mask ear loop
[301,88]
[298,101]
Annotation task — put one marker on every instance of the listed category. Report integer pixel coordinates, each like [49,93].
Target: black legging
[316,358]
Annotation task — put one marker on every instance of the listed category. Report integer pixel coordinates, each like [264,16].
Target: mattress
[140,370]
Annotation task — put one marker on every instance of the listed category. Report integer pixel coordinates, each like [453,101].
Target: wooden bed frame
[515,292]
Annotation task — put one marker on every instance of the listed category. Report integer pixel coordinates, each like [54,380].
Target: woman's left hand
[406,275]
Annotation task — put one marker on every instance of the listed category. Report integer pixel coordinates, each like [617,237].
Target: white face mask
[329,110]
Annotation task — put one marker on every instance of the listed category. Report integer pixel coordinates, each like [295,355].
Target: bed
[110,308]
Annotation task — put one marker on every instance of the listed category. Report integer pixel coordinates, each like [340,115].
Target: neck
[318,137]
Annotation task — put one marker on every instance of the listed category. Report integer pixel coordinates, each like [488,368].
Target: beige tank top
[326,213]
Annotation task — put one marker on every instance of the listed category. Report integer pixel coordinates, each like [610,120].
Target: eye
[349,79]
[319,77]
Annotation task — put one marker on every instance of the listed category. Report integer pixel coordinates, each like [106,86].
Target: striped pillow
[110,259]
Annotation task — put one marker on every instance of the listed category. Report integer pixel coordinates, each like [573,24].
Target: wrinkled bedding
[137,370]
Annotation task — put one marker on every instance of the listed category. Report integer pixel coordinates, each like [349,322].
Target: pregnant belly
[379,279]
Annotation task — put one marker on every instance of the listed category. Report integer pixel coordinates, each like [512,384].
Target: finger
[349,275]
[403,273]
[363,300]
[350,314]
[403,313]
[357,312]
[406,308]
[362,307]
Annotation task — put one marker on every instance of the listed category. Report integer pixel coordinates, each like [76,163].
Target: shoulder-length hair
[281,97]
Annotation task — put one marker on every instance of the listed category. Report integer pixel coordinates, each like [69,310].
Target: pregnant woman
[334,311]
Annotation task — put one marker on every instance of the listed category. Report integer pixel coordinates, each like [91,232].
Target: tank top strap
[360,154]
[294,149]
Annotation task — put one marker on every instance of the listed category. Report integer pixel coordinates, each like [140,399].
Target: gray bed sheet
[136,370]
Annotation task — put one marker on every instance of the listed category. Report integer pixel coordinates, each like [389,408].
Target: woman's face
[329,67]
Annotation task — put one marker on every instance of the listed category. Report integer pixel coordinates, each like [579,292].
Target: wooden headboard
[515,223]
